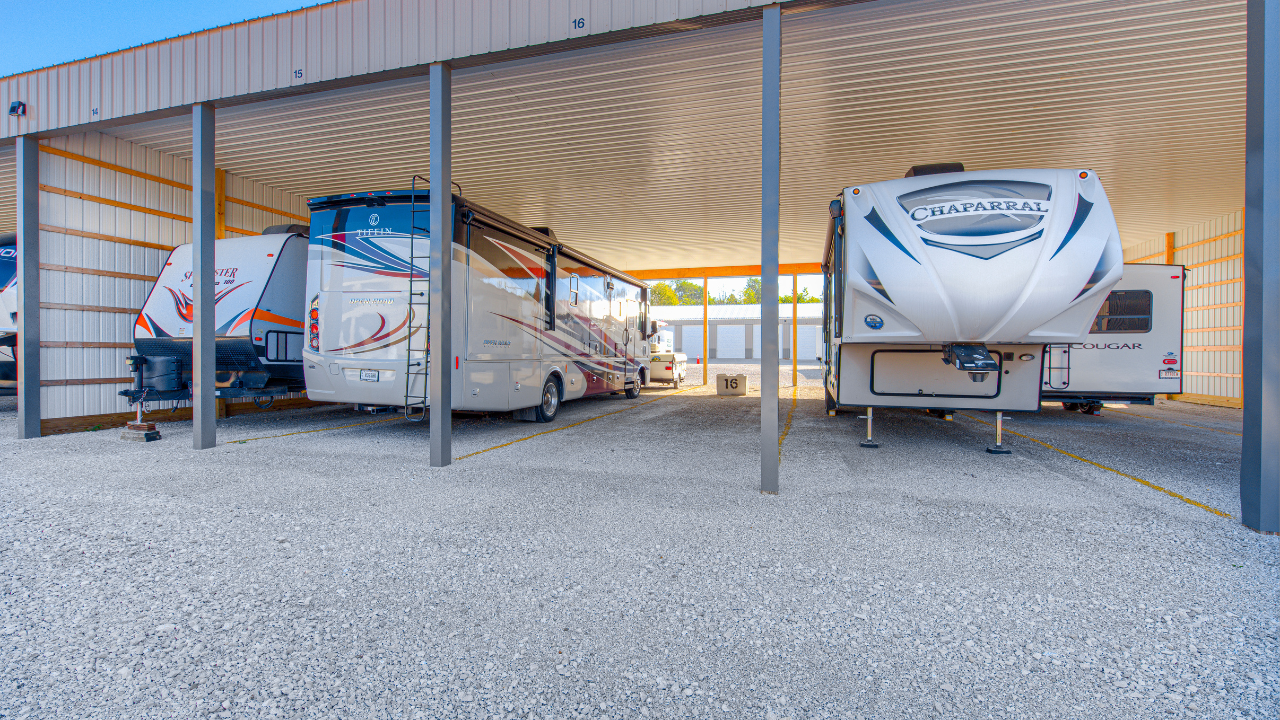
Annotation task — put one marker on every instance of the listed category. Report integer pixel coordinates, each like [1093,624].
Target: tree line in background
[685,292]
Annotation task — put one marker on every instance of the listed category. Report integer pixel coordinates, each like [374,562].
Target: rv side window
[284,346]
[573,290]
[1124,311]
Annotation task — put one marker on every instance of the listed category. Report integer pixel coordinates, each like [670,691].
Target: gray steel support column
[27,352]
[440,362]
[771,169]
[1260,452]
[204,410]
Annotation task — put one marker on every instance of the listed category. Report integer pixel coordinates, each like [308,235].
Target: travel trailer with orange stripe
[259,306]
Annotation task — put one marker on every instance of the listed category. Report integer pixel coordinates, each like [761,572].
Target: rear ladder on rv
[419,307]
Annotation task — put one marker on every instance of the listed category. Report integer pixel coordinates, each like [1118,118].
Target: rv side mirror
[653,327]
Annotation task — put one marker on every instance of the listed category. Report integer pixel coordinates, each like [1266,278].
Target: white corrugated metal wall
[8,189]
[104,236]
[1213,305]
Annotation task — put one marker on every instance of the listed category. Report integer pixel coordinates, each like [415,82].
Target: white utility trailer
[258,313]
[943,288]
[1134,348]
[8,314]
[535,322]
[666,366]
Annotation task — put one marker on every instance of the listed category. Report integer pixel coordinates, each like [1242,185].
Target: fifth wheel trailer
[943,288]
[1134,348]
[535,322]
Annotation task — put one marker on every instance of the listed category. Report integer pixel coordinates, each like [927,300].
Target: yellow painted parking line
[566,427]
[787,428]
[316,430]
[1149,484]
[1175,422]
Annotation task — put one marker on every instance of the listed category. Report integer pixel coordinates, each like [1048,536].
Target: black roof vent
[304,230]
[934,169]
[544,230]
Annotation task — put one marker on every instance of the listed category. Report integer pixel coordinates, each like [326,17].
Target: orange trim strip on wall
[240,231]
[1209,348]
[1213,307]
[117,168]
[103,273]
[1208,240]
[1199,330]
[89,308]
[113,203]
[1209,374]
[1170,249]
[264,208]
[1213,284]
[723,271]
[108,238]
[87,381]
[82,344]
[1212,262]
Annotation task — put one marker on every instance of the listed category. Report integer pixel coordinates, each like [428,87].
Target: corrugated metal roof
[689,313]
[646,154]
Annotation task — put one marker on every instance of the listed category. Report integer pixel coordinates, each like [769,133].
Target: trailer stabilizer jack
[999,448]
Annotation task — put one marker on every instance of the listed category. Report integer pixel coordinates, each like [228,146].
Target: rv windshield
[374,242]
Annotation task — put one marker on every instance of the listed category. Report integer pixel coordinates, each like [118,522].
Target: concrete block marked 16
[731,384]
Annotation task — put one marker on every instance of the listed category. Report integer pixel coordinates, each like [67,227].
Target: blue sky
[39,33]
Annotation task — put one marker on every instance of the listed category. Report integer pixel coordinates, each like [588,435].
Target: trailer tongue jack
[868,443]
[999,448]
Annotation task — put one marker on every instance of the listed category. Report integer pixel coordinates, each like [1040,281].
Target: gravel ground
[627,568]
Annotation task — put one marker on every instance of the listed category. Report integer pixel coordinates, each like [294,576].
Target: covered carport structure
[657,136]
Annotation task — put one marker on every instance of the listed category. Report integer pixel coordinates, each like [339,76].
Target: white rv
[259,308]
[1134,348]
[535,322]
[8,314]
[944,287]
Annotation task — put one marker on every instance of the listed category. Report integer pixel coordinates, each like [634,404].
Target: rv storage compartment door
[485,387]
[922,372]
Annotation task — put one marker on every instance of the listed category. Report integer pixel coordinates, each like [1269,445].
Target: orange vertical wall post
[705,356]
[1168,248]
[220,203]
[795,329]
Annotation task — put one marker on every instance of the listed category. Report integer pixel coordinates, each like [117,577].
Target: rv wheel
[550,405]
[1070,407]
[633,391]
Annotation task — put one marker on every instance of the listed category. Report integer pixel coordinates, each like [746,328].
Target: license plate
[372,375]
[1170,374]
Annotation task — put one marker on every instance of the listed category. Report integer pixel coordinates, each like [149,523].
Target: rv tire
[633,391]
[546,410]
